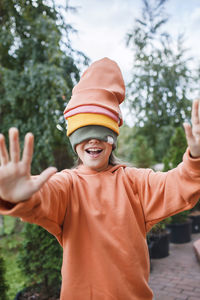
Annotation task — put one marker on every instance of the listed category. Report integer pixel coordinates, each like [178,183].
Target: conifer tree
[174,156]
[133,148]
[37,74]
[178,145]
[40,259]
[142,154]
[162,81]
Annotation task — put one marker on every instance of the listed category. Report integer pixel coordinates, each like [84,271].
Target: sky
[102,26]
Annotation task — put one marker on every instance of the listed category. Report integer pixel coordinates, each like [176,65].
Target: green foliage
[133,148]
[143,156]
[176,150]
[125,143]
[37,72]
[174,156]
[40,259]
[8,224]
[3,284]
[159,227]
[179,218]
[9,245]
[2,227]
[161,78]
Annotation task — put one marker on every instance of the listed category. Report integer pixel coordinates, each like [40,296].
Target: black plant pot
[195,223]
[17,297]
[159,244]
[33,292]
[180,233]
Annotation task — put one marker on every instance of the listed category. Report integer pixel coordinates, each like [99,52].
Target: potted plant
[37,292]
[158,240]
[195,217]
[180,227]
[179,224]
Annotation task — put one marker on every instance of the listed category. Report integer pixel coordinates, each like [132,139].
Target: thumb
[44,177]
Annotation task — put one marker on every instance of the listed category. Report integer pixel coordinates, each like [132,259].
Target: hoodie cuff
[5,206]
[21,209]
[191,162]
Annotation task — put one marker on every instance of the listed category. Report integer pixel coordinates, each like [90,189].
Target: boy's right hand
[16,182]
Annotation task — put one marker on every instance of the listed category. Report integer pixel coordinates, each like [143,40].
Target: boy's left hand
[193,132]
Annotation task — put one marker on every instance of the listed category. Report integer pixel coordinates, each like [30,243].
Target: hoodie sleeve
[47,207]
[163,194]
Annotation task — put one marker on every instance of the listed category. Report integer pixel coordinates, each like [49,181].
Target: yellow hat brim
[81,120]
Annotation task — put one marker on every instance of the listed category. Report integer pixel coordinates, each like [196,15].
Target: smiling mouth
[94,152]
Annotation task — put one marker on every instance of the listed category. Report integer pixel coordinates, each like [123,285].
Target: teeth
[94,150]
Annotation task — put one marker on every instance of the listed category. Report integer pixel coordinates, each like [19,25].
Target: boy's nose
[93,141]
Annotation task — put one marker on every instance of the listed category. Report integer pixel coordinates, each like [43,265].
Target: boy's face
[94,154]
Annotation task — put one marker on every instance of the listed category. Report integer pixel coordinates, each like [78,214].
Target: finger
[28,149]
[188,132]
[44,176]
[14,145]
[195,112]
[4,159]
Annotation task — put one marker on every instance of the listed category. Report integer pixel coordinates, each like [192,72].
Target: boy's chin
[96,166]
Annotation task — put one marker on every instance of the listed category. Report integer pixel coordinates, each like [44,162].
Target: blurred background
[102,27]
[45,46]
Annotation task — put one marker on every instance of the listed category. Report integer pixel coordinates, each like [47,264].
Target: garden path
[177,277]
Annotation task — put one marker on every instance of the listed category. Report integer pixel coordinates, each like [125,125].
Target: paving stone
[177,277]
[185,287]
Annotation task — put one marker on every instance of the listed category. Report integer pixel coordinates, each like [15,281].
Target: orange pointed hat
[96,98]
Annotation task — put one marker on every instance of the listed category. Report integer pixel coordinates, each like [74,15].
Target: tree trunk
[18,226]
[1,225]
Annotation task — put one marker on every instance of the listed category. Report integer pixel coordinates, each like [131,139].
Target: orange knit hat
[95,99]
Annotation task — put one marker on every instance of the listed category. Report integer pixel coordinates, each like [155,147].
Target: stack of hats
[93,110]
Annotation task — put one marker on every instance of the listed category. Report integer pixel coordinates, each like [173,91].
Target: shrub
[3,283]
[40,259]
[178,145]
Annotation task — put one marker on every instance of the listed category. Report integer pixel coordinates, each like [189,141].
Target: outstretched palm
[16,182]
[193,132]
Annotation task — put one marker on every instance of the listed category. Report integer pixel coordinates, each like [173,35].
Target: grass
[9,245]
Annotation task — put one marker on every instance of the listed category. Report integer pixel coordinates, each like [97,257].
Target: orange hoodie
[101,220]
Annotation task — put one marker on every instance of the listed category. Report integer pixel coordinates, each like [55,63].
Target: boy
[100,211]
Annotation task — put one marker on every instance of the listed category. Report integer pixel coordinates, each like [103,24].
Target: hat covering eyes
[95,99]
